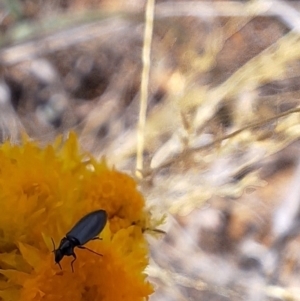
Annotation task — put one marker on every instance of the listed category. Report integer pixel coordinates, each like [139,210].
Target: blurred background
[222,125]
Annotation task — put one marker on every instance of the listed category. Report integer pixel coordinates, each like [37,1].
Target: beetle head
[58,255]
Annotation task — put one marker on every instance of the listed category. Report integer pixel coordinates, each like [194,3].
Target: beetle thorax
[67,246]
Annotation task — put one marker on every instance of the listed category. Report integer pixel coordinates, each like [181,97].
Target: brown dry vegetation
[222,125]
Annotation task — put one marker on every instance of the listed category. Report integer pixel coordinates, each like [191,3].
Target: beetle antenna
[54,249]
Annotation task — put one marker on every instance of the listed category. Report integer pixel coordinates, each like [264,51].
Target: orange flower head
[44,192]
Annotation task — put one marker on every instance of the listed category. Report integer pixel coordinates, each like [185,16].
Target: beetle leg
[82,247]
[95,238]
[74,255]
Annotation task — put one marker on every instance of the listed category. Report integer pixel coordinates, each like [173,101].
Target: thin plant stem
[149,16]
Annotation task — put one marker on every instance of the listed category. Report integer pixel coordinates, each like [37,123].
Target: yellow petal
[31,255]
[14,276]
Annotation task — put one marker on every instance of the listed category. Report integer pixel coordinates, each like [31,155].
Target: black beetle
[86,229]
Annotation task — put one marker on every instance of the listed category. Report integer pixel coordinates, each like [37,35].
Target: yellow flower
[43,193]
